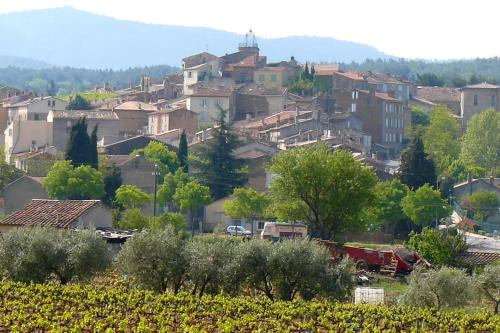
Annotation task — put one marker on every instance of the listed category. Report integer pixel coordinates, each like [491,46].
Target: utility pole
[154,196]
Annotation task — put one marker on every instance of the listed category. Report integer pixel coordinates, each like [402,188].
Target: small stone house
[21,192]
[64,214]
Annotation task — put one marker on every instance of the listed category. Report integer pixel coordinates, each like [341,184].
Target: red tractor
[396,261]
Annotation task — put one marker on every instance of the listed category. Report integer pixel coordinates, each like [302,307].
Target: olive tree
[155,258]
[208,259]
[441,289]
[35,254]
[488,283]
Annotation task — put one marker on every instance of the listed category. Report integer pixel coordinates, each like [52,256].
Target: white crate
[365,295]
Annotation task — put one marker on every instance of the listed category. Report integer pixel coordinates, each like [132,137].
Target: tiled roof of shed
[56,213]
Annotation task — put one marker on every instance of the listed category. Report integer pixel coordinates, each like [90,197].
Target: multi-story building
[169,119]
[207,103]
[476,98]
[133,117]
[382,116]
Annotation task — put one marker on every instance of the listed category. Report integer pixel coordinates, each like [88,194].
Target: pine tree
[416,168]
[93,157]
[78,148]
[182,154]
[221,170]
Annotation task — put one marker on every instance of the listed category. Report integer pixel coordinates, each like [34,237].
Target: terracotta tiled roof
[89,114]
[136,106]
[438,94]
[248,62]
[385,97]
[483,85]
[56,213]
[212,93]
[326,69]
[271,120]
[480,258]
[352,75]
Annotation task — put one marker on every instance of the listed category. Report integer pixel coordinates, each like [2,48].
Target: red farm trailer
[395,261]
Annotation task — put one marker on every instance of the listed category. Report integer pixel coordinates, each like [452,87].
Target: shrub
[155,258]
[133,219]
[439,247]
[440,289]
[36,254]
[176,220]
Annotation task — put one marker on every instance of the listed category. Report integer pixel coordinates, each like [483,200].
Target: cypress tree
[112,181]
[306,72]
[182,154]
[313,71]
[78,148]
[93,159]
[416,168]
[221,170]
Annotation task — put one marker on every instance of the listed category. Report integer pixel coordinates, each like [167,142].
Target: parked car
[277,230]
[237,230]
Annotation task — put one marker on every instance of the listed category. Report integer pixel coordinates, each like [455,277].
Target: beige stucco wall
[96,217]
[484,101]
[276,103]
[19,136]
[208,111]
[132,122]
[266,75]
[20,193]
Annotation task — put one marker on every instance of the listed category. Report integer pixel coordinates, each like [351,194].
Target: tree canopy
[247,204]
[416,168]
[425,205]
[482,203]
[442,138]
[218,167]
[77,102]
[82,148]
[130,196]
[481,142]
[326,182]
[67,182]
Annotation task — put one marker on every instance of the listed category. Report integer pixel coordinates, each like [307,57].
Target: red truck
[396,261]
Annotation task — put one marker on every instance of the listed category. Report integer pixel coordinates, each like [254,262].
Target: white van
[279,230]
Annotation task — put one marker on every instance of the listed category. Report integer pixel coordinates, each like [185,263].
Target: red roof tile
[480,258]
[56,213]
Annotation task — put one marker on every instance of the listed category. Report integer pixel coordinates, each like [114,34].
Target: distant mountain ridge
[68,37]
[20,62]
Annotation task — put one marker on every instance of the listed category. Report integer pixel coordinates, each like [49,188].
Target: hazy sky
[431,29]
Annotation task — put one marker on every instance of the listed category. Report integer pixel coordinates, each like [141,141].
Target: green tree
[483,204]
[481,142]
[93,159]
[218,167]
[82,148]
[488,283]
[248,204]
[133,219]
[326,182]
[416,168]
[442,138]
[130,196]
[438,247]
[208,260]
[440,289]
[78,103]
[190,197]
[429,79]
[158,153]
[182,154]
[112,181]
[66,182]
[386,210]
[425,205]
[171,182]
[156,259]
[36,254]
[419,117]
[8,173]
[287,210]
[175,220]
